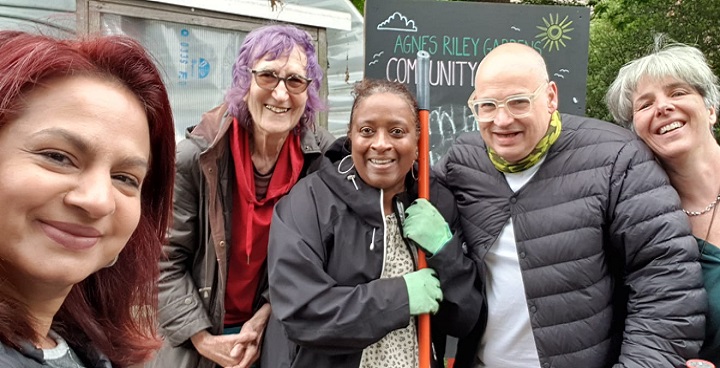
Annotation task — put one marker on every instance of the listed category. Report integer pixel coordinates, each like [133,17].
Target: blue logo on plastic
[184,32]
[203,68]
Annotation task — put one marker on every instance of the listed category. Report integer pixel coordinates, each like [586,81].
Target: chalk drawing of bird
[373,62]
[515,28]
[559,75]
[378,54]
[564,71]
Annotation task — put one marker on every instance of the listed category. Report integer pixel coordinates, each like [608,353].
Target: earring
[412,173]
[343,172]
[113,262]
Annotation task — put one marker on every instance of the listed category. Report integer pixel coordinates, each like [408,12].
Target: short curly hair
[368,87]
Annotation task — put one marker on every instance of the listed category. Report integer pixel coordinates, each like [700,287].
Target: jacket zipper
[385,232]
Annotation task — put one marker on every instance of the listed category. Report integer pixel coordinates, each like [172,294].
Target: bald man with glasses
[585,256]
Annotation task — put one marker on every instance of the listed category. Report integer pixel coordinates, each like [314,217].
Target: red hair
[114,309]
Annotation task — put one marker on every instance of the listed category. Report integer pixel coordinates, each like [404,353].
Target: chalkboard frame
[458,35]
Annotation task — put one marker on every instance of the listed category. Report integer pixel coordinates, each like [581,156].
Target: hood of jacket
[343,180]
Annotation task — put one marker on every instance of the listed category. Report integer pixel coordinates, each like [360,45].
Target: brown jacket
[194,272]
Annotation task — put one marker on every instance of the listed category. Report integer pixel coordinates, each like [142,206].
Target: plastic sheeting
[345,59]
[198,64]
[55,18]
[195,60]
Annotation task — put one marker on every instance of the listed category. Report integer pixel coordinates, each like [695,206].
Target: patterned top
[399,348]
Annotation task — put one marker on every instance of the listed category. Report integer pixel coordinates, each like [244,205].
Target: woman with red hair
[86,156]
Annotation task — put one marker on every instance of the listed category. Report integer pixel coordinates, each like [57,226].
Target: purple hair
[273,41]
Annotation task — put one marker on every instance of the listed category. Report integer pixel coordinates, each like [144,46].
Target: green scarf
[535,155]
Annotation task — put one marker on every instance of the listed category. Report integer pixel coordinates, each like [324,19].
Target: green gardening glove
[424,293]
[425,226]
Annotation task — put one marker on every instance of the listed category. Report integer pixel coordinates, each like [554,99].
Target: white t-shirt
[61,356]
[508,340]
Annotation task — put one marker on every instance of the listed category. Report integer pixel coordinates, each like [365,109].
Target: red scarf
[251,219]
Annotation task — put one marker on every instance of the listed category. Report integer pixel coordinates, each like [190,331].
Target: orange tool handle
[424,343]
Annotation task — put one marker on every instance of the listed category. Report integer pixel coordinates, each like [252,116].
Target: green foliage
[360,5]
[623,30]
[553,2]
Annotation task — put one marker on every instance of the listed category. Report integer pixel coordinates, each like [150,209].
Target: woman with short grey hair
[681,62]
[670,99]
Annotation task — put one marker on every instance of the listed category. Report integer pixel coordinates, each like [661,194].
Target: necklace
[707,235]
[705,210]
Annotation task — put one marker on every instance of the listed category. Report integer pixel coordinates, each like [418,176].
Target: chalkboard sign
[458,35]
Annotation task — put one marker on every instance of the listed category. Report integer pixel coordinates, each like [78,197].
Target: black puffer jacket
[610,269]
[325,258]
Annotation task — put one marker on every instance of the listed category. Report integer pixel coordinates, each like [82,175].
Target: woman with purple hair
[231,170]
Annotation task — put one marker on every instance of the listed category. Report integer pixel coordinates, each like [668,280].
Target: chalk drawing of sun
[554,32]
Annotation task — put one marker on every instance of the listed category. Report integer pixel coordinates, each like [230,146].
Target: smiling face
[277,111]
[72,164]
[670,116]
[384,141]
[512,70]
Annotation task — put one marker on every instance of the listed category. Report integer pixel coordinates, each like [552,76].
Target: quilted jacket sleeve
[458,274]
[657,258]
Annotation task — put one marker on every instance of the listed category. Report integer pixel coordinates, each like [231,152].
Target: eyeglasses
[518,106]
[268,80]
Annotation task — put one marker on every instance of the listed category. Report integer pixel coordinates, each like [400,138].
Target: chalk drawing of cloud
[397,22]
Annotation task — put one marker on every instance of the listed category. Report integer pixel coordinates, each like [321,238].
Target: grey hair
[675,60]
